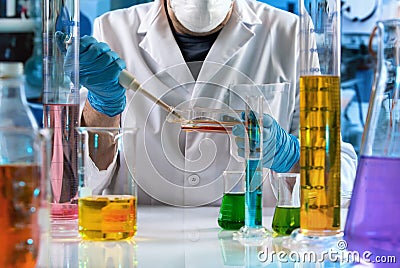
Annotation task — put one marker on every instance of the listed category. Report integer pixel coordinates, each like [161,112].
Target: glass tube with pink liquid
[61,109]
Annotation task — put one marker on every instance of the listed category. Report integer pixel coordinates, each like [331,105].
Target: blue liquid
[253,194]
[254,174]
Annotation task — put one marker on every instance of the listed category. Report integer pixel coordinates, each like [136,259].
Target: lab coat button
[194,236]
[194,179]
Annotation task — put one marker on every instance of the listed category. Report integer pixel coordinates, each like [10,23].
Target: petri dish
[207,120]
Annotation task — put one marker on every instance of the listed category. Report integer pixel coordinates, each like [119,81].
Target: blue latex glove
[99,69]
[280,149]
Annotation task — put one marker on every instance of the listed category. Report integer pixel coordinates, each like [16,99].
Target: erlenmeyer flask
[373,216]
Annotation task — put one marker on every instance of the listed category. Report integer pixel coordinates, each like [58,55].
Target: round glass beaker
[24,199]
[107,189]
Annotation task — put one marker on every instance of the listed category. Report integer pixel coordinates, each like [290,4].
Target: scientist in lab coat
[193,54]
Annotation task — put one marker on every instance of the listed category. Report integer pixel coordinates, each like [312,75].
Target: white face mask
[200,16]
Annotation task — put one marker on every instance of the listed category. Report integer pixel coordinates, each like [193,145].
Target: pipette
[128,81]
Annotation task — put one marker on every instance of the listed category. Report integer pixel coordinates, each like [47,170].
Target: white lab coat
[257,46]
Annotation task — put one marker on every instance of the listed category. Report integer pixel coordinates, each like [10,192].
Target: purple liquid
[374,216]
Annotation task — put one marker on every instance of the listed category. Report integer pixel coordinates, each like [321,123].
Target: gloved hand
[99,69]
[280,149]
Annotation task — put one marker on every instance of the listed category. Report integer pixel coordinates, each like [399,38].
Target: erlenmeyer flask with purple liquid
[373,216]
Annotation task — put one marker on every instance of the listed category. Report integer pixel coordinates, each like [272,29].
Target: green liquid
[231,214]
[285,220]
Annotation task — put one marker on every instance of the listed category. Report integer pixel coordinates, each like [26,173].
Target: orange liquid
[320,154]
[19,236]
[209,126]
[216,129]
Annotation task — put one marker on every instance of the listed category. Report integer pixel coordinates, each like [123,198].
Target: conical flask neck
[382,129]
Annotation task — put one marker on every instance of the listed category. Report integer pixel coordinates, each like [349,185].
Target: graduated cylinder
[320,117]
[61,109]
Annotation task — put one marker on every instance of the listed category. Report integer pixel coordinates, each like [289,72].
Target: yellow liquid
[107,217]
[320,154]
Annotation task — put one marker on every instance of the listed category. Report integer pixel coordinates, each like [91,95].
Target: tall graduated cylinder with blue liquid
[253,121]
[254,168]
[373,219]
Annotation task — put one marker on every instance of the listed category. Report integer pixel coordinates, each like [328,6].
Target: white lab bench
[168,237]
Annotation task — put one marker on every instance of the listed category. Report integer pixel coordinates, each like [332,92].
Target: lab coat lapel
[233,37]
[160,44]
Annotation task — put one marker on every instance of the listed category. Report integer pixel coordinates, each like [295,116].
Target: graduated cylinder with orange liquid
[320,155]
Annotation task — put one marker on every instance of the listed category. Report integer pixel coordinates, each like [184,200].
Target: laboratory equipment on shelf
[16,30]
[373,219]
[61,109]
[34,64]
[319,119]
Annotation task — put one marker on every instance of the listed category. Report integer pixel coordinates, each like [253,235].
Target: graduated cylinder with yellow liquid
[320,154]
[319,118]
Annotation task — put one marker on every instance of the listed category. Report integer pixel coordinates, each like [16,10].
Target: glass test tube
[320,117]
[61,106]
